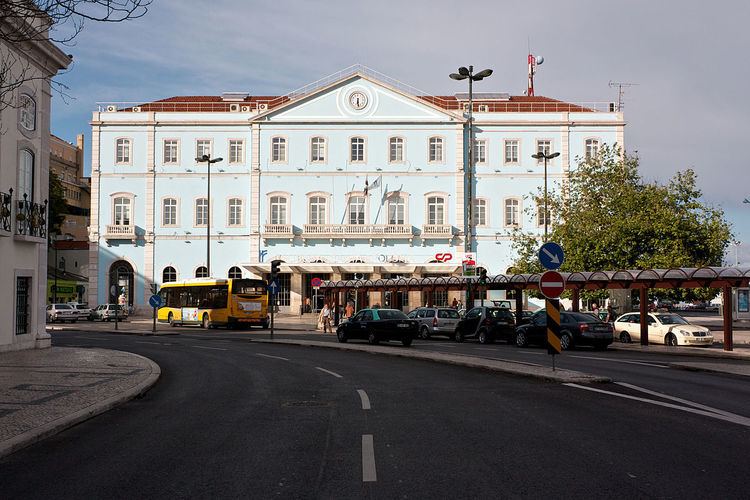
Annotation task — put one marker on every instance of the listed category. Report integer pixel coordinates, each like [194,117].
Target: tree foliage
[607,217]
[57,206]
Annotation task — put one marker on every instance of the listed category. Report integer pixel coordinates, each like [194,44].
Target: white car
[83,310]
[663,328]
[61,312]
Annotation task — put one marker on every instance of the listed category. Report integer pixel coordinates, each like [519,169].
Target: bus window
[218,297]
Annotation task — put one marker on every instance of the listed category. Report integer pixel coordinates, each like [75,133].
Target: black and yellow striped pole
[553,329]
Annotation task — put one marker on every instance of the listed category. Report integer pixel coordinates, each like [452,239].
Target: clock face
[358,100]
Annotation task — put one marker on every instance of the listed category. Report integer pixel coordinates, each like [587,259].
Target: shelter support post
[644,315]
[576,300]
[519,306]
[726,295]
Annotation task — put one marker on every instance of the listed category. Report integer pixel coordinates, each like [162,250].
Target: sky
[687,108]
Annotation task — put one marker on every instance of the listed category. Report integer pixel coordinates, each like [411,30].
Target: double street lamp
[545,156]
[208,161]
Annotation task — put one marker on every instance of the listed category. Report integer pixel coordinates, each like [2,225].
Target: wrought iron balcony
[31,218]
[6,211]
[120,232]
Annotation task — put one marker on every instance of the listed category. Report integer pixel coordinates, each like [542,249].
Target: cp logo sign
[443,257]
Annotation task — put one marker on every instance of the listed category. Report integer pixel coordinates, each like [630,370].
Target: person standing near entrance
[325,318]
[349,311]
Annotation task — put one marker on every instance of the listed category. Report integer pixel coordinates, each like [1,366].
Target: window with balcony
[317,210]
[512,212]
[592,148]
[396,150]
[169,274]
[201,212]
[317,150]
[278,210]
[480,212]
[511,151]
[201,272]
[396,210]
[278,149]
[122,211]
[202,148]
[25,175]
[543,146]
[436,150]
[171,149]
[357,149]
[235,212]
[27,117]
[123,150]
[236,151]
[357,206]
[435,210]
[169,212]
[234,273]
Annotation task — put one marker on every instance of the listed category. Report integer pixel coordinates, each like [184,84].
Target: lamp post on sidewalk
[208,161]
[546,156]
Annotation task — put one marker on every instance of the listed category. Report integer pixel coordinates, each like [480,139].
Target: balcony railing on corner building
[119,231]
[6,210]
[364,230]
[31,218]
[437,230]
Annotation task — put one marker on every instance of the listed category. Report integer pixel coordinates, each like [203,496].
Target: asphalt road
[231,418]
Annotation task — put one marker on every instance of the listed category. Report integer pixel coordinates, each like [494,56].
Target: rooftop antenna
[621,86]
[534,61]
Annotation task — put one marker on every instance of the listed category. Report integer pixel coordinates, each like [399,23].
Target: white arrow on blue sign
[155,301]
[551,255]
[273,287]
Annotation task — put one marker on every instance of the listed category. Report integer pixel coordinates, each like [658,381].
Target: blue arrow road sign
[155,301]
[273,287]
[551,255]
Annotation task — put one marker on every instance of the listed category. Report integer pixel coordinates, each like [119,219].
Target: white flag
[376,182]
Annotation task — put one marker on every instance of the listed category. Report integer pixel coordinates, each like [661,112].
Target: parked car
[61,312]
[379,324]
[576,329]
[663,328]
[83,310]
[436,321]
[486,324]
[106,312]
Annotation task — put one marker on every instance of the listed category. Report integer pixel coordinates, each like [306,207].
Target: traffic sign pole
[553,329]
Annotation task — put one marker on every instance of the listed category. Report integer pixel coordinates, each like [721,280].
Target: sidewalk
[44,391]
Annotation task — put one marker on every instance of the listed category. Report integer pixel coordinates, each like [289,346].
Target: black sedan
[379,324]
[486,324]
[575,329]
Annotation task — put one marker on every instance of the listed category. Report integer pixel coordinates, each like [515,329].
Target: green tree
[607,217]
[57,207]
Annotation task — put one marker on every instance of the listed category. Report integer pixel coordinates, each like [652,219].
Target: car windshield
[391,314]
[62,306]
[671,319]
[582,317]
[500,313]
[448,313]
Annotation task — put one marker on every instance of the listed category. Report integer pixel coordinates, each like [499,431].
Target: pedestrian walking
[610,314]
[349,311]
[325,318]
[595,309]
[455,303]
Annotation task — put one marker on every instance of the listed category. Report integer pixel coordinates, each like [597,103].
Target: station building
[353,176]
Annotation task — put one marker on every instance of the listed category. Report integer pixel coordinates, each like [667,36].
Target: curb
[694,367]
[513,368]
[34,435]
[696,352]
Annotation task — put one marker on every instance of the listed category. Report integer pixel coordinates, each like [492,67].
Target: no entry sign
[551,284]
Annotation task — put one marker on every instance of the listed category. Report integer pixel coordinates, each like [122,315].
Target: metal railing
[31,218]
[6,210]
[119,231]
[437,230]
[365,230]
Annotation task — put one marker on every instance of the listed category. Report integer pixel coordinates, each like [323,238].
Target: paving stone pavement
[43,391]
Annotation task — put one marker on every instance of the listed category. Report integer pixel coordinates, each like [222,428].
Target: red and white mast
[533,62]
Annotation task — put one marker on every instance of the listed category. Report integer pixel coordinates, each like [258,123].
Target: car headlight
[686,333]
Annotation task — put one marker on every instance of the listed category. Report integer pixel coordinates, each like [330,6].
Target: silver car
[436,321]
[61,312]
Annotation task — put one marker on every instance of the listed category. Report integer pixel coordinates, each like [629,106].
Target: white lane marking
[643,363]
[273,357]
[368,459]
[212,348]
[679,400]
[146,342]
[486,348]
[444,345]
[365,399]
[538,353]
[736,419]
[329,372]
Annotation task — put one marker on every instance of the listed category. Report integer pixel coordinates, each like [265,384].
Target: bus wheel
[205,321]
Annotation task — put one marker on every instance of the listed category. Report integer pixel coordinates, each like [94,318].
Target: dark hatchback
[486,324]
[575,329]
[379,324]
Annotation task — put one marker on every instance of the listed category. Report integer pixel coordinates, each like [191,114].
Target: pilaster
[255,198]
[150,213]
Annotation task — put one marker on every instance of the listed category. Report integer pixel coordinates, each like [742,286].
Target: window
[201,212]
[236,151]
[170,151]
[235,212]
[278,209]
[357,152]
[436,149]
[202,148]
[511,151]
[169,212]
[278,149]
[396,150]
[540,214]
[543,146]
[435,210]
[122,209]
[23,296]
[28,112]
[396,210]
[317,213]
[592,148]
[511,212]
[168,275]
[480,212]
[480,151]
[123,147]
[357,210]
[25,175]
[318,149]
[234,272]
[201,272]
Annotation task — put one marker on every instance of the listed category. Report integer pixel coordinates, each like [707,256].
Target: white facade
[295,188]
[24,156]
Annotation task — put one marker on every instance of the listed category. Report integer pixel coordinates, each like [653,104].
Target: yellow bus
[212,302]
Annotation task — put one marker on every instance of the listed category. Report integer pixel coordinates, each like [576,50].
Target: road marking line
[534,352]
[643,363]
[368,459]
[146,342]
[679,400]
[486,348]
[329,372]
[365,399]
[444,345]
[212,348]
[273,357]
[736,419]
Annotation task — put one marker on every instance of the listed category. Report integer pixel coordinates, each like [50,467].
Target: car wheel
[424,333]
[459,336]
[372,337]
[521,340]
[341,335]
[406,341]
[565,341]
[170,320]
[204,323]
[483,339]
[625,338]
[671,339]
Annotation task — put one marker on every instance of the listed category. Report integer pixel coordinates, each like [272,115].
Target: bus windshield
[248,287]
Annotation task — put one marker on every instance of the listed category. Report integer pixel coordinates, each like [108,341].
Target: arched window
[169,212]
[28,112]
[278,210]
[235,272]
[122,210]
[512,210]
[357,152]
[201,272]
[168,275]
[26,175]
[235,212]
[396,150]
[436,149]
[396,210]
[317,149]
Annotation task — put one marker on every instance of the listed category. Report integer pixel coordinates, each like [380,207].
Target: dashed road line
[365,399]
[329,372]
[369,473]
[272,357]
[212,348]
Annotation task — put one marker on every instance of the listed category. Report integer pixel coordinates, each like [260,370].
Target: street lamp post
[208,161]
[55,240]
[546,156]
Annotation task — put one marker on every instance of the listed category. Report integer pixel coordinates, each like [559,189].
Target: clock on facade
[358,100]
